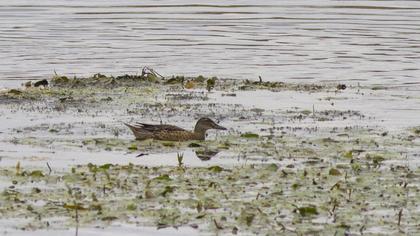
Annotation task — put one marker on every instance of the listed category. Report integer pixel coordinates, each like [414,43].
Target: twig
[77,221]
[349,196]
[49,168]
[224,194]
[334,207]
[142,154]
[336,185]
[399,217]
[283,228]
[217,224]
[313,110]
[157,73]
[147,71]
[362,229]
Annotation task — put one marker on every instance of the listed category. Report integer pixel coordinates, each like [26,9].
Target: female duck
[173,133]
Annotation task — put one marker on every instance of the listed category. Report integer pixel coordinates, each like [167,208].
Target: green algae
[249,135]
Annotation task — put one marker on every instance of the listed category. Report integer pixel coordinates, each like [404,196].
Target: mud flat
[296,159]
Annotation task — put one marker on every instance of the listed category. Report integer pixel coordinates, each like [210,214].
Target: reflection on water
[206,155]
[369,41]
[62,159]
[201,154]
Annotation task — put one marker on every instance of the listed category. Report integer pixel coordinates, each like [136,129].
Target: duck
[144,131]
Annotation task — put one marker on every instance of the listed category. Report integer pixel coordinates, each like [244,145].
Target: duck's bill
[220,127]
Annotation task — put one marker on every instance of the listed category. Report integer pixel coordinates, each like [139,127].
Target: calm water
[361,41]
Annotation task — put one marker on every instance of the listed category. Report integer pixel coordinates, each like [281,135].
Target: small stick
[142,154]
[336,185]
[399,217]
[283,228]
[217,224]
[349,196]
[362,229]
[335,206]
[224,194]
[49,168]
[77,221]
[157,73]
[152,71]
[313,110]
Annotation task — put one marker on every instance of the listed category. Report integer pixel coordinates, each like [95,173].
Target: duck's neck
[200,133]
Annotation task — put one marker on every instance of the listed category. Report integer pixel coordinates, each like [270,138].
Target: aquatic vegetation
[416,131]
[65,88]
[247,198]
[300,169]
[249,135]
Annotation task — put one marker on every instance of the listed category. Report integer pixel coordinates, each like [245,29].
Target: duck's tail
[132,127]
[139,132]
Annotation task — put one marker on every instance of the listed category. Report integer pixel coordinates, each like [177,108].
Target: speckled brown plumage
[173,133]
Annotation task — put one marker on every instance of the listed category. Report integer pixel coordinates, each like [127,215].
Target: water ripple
[374,42]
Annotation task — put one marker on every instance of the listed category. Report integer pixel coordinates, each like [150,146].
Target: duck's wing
[158,128]
[139,132]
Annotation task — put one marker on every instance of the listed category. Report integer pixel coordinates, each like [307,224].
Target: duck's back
[162,132]
[159,128]
[168,132]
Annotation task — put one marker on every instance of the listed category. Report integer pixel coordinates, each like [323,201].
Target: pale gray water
[372,42]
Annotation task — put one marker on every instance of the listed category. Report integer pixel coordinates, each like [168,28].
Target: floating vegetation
[416,131]
[249,135]
[248,198]
[66,87]
[296,169]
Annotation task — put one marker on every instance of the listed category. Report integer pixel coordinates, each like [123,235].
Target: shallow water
[118,228]
[359,41]
[360,137]
[63,149]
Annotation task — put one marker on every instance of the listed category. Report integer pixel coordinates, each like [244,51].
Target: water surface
[360,41]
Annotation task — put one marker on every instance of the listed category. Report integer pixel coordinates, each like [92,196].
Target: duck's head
[205,123]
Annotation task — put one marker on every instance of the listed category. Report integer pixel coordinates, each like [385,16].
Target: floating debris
[39,83]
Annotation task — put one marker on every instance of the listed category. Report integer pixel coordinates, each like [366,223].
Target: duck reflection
[206,154]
